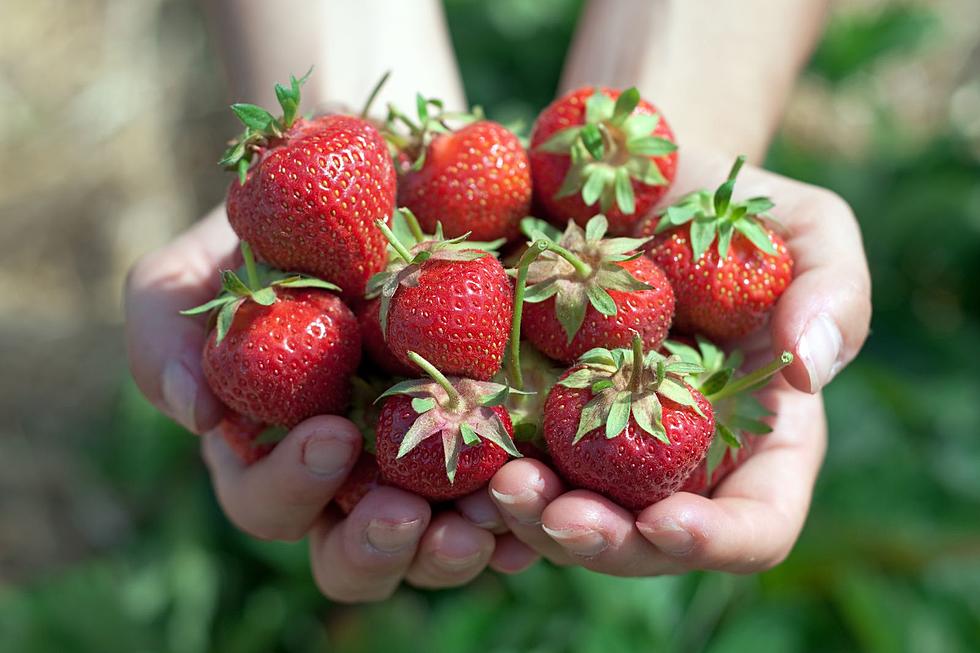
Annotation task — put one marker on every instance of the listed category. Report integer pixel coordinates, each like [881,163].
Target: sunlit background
[111,115]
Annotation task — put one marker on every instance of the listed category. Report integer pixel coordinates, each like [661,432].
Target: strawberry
[475,180]
[443,438]
[309,191]
[364,477]
[724,291]
[627,425]
[450,305]
[586,291]
[601,150]
[369,317]
[251,441]
[738,414]
[283,351]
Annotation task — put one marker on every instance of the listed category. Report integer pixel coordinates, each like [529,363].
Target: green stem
[251,274]
[438,377]
[520,288]
[374,93]
[583,269]
[413,225]
[636,373]
[723,196]
[395,114]
[749,380]
[390,235]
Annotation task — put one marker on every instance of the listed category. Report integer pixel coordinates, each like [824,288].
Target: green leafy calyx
[412,136]
[261,126]
[628,383]
[259,286]
[714,217]
[613,148]
[461,411]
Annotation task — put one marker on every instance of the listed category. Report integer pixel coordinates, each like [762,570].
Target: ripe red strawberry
[282,352]
[445,438]
[364,477]
[592,292]
[601,150]
[246,437]
[633,432]
[475,180]
[725,291]
[309,202]
[452,306]
[368,316]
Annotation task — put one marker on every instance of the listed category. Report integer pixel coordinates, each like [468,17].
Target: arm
[722,71]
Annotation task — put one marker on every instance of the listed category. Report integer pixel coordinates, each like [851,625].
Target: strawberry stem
[749,380]
[723,196]
[438,377]
[251,274]
[374,93]
[636,373]
[583,269]
[395,243]
[413,225]
[520,287]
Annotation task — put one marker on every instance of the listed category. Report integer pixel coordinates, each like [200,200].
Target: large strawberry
[601,150]
[726,266]
[309,191]
[443,438]
[475,179]
[628,425]
[452,306]
[738,414]
[586,291]
[283,349]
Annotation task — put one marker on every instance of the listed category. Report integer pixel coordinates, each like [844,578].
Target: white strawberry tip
[460,409]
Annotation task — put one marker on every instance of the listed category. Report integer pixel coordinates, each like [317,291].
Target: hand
[755,515]
[390,535]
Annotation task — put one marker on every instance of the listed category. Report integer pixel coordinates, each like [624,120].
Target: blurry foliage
[890,559]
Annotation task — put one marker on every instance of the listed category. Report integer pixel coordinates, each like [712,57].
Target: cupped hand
[753,518]
[390,536]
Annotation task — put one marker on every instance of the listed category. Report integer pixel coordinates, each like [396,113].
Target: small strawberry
[282,351]
[250,440]
[586,291]
[313,192]
[475,180]
[450,305]
[601,150]
[364,477]
[738,414]
[724,291]
[369,317]
[628,425]
[443,438]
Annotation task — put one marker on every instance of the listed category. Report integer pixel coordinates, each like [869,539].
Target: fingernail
[583,542]
[522,506]
[327,456]
[179,390]
[393,537]
[820,350]
[668,536]
[457,564]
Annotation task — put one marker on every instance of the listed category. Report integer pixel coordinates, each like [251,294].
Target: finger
[522,489]
[602,536]
[824,315]
[758,511]
[281,495]
[479,509]
[452,552]
[365,556]
[511,556]
[165,347]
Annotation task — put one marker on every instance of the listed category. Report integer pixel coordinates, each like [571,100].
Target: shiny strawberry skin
[720,299]
[423,470]
[476,179]
[548,170]
[634,468]
[284,363]
[364,477]
[648,311]
[310,203]
[368,316]
[457,317]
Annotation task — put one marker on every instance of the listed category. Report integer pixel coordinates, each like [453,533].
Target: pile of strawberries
[385,277]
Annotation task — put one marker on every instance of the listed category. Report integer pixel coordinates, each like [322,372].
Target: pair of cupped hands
[749,524]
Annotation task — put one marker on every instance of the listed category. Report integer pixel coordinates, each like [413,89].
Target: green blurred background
[110,539]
